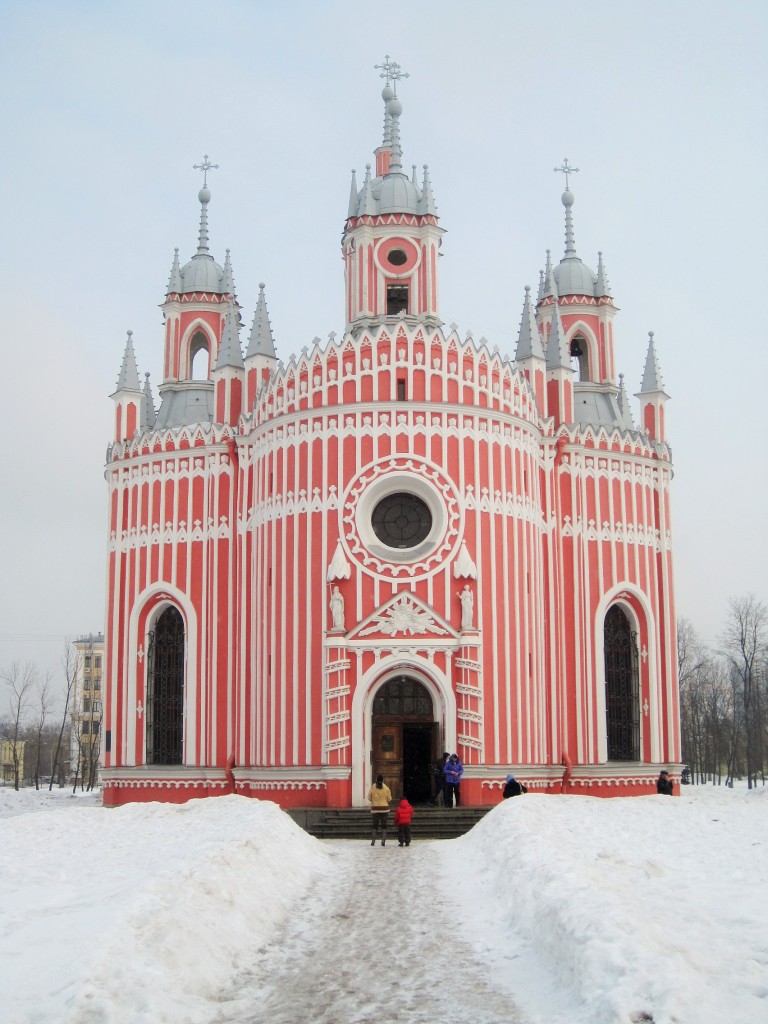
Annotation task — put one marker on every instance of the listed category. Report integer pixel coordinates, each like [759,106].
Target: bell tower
[391,237]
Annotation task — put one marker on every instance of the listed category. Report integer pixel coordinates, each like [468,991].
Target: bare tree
[69,663]
[744,643]
[44,705]
[20,682]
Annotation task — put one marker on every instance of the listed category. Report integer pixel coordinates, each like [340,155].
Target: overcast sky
[107,105]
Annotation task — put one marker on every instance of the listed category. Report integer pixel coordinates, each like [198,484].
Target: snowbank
[587,911]
[642,909]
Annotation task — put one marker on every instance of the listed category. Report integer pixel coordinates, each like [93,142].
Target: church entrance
[405,738]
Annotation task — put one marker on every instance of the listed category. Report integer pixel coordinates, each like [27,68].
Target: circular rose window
[401,520]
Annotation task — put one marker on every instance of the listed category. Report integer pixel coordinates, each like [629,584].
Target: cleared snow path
[378,941]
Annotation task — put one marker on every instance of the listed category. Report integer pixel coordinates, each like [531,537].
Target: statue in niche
[467,607]
[337,609]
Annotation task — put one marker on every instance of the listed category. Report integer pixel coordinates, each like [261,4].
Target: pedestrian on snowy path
[403,815]
[380,797]
[452,771]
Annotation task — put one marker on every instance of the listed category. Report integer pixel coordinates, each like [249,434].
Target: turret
[260,358]
[229,372]
[391,237]
[529,354]
[195,312]
[559,370]
[128,396]
[652,395]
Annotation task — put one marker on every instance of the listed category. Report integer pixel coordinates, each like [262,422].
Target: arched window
[622,701]
[402,696]
[580,355]
[165,690]
[199,368]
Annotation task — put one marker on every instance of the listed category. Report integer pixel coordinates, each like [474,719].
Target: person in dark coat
[452,771]
[664,784]
[403,815]
[513,788]
[439,777]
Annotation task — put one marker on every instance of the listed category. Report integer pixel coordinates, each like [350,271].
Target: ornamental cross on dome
[566,170]
[391,71]
[205,166]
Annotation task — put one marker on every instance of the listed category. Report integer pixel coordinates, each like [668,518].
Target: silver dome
[396,193]
[572,277]
[202,274]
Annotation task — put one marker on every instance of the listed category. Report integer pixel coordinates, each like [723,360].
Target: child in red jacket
[403,815]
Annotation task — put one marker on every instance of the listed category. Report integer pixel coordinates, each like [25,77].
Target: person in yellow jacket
[380,796]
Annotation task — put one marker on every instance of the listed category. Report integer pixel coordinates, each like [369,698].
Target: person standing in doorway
[439,778]
[380,797]
[453,770]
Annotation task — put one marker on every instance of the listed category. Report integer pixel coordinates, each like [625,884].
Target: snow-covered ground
[553,910]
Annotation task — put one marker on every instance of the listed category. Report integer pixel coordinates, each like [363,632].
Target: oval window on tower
[397,257]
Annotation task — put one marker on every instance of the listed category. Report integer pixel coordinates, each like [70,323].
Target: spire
[367,202]
[128,380]
[395,108]
[229,280]
[623,404]
[148,415]
[558,355]
[204,195]
[353,197]
[261,342]
[567,200]
[548,284]
[174,281]
[528,340]
[427,204]
[392,72]
[602,286]
[652,382]
[230,353]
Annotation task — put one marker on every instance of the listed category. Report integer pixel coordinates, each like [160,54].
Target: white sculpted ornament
[467,607]
[403,617]
[337,609]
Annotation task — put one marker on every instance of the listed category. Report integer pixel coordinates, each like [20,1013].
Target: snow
[552,910]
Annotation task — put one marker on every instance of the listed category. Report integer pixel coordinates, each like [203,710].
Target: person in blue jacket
[452,772]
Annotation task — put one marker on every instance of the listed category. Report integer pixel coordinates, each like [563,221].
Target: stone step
[355,822]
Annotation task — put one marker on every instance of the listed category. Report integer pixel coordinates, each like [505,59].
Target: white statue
[337,609]
[467,607]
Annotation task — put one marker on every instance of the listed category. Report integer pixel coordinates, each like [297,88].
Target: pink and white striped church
[397,544]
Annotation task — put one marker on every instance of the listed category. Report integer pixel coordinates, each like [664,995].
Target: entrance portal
[404,738]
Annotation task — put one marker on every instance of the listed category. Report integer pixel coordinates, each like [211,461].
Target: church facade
[398,543]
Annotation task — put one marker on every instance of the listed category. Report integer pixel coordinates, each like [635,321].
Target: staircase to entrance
[355,822]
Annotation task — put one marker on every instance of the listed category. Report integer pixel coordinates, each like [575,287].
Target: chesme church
[398,543]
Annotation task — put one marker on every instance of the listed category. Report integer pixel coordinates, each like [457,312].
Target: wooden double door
[405,738]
